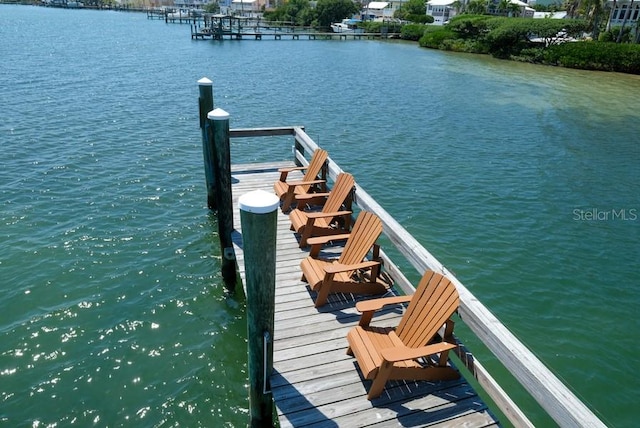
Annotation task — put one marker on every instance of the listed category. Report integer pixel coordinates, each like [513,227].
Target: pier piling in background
[205,104]
[258,216]
[219,129]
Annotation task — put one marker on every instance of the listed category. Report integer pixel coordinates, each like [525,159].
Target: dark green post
[258,215]
[219,124]
[205,103]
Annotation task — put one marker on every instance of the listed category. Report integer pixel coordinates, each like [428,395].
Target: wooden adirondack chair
[331,220]
[340,276]
[286,191]
[414,350]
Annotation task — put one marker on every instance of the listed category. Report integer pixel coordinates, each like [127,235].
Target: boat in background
[348,25]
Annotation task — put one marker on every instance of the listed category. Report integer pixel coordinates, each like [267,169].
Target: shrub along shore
[539,41]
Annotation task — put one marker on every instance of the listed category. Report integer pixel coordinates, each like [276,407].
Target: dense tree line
[300,12]
[544,41]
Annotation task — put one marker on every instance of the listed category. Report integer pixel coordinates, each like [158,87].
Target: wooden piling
[258,215]
[205,104]
[219,124]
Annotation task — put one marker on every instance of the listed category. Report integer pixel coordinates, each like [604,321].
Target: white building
[441,10]
[550,15]
[190,4]
[245,7]
[377,10]
[525,10]
[622,8]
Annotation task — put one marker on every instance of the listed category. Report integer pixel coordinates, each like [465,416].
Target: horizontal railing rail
[553,396]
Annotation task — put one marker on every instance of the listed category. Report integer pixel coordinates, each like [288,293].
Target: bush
[412,31]
[509,36]
[612,35]
[433,37]
[420,18]
[623,58]
[533,55]
[467,26]
[378,26]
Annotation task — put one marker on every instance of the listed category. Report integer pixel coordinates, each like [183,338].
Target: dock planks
[315,383]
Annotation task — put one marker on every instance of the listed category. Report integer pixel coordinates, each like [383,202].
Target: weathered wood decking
[314,381]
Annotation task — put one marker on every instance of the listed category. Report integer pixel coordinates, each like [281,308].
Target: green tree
[613,8]
[503,7]
[212,7]
[298,12]
[329,11]
[477,7]
[412,7]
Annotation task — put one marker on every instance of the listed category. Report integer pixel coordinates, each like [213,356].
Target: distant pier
[220,27]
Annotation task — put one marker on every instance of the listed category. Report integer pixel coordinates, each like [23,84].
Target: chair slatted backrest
[339,193]
[433,303]
[364,234]
[315,166]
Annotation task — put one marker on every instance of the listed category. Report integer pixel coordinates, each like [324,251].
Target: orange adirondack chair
[286,191]
[332,220]
[414,350]
[339,276]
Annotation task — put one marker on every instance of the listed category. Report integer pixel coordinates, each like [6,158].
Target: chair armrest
[321,240]
[293,168]
[376,304]
[305,196]
[303,183]
[284,172]
[338,267]
[321,214]
[393,355]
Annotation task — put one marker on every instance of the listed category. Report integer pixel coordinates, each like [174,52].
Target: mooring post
[219,124]
[205,104]
[258,215]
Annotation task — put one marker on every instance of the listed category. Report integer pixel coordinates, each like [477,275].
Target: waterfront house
[525,10]
[621,8]
[441,10]
[550,15]
[190,4]
[246,7]
[378,10]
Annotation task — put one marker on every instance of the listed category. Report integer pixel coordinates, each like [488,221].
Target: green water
[522,180]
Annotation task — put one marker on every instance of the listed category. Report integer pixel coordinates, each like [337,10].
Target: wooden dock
[221,27]
[207,33]
[314,382]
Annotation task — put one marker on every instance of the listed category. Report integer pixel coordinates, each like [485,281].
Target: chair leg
[286,201]
[380,380]
[323,295]
[350,351]
[306,234]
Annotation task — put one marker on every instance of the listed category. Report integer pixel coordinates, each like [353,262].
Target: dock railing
[560,403]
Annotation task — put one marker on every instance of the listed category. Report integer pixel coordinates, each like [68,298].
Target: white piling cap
[205,82]
[258,202]
[218,114]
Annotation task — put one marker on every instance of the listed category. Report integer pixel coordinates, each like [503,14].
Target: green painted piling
[258,215]
[219,123]
[205,104]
